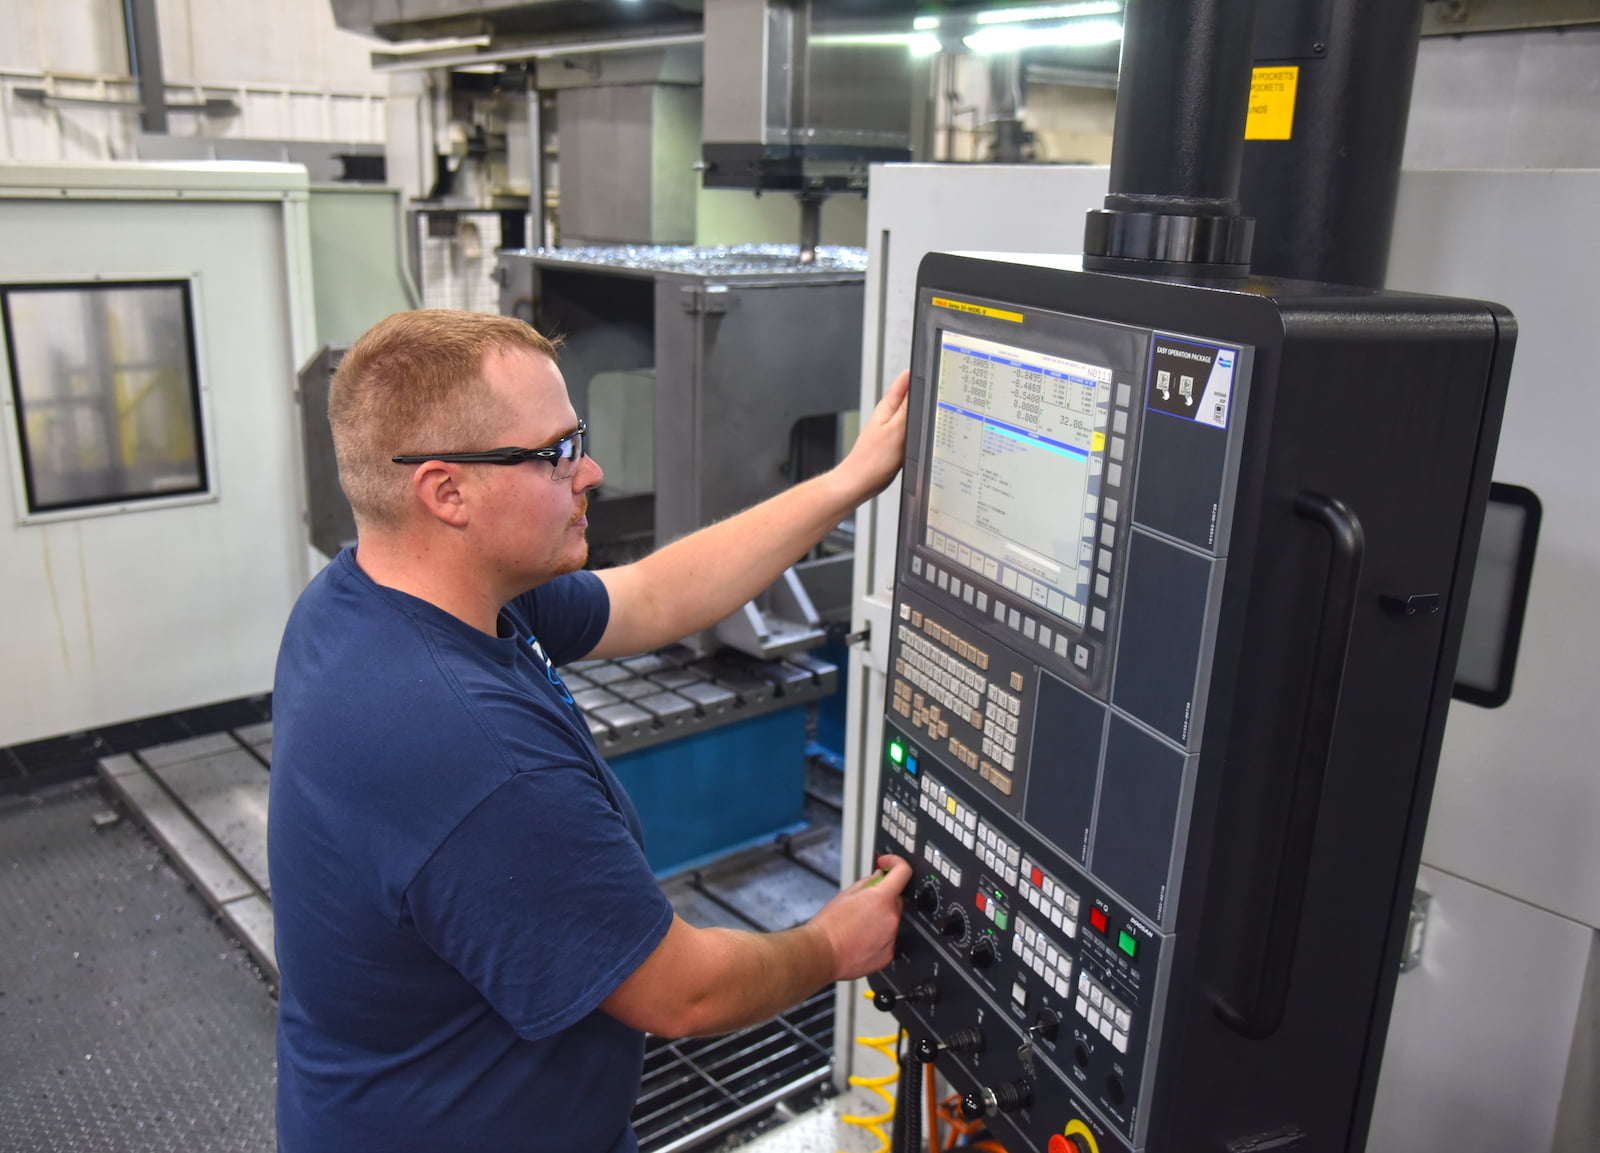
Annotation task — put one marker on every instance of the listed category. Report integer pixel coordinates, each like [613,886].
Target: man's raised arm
[698,580]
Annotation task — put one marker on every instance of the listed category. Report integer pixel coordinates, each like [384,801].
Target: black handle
[1262,1015]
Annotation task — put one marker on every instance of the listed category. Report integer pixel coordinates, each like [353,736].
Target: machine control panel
[1045,706]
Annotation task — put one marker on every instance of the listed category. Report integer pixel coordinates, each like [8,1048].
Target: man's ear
[436,487]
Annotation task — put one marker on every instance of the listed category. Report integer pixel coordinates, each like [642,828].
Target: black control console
[1120,745]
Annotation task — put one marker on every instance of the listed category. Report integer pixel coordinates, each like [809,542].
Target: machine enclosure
[1284,611]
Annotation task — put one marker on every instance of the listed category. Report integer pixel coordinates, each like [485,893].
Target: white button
[966,594]
[999,612]
[1044,636]
[967,840]
[1084,984]
[1104,560]
[1105,1028]
[1082,1007]
[983,602]
[1108,535]
[1114,475]
[916,566]
[1119,1041]
[1119,422]
[1102,585]
[1061,986]
[905,611]
[1071,929]
[1080,656]
[1111,508]
[1118,447]
[1028,627]
[944,580]
[1124,394]
[1124,1019]
[1097,620]
[1011,855]
[1018,993]
[1094,1019]
[969,818]
[1096,997]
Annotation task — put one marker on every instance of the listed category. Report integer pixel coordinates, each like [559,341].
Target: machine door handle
[1262,1013]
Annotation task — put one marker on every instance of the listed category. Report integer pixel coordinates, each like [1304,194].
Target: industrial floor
[137,990]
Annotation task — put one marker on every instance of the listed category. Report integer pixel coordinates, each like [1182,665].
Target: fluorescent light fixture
[925,23]
[920,43]
[1080,33]
[1049,12]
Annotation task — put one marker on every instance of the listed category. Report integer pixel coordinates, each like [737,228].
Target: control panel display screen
[1014,478]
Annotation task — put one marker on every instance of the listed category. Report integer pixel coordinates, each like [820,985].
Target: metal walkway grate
[696,1089]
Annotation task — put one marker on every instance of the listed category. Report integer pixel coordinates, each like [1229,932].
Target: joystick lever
[927,993]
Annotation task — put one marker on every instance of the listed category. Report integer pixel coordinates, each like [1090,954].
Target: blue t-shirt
[457,880]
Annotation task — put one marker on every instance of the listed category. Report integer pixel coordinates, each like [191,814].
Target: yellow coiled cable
[874,1125]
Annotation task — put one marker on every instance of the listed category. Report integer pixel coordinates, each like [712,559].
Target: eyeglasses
[569,450]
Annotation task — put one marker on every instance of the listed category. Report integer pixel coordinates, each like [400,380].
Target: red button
[982,902]
[1097,919]
[1058,1144]
[1038,878]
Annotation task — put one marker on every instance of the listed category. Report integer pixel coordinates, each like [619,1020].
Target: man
[471,943]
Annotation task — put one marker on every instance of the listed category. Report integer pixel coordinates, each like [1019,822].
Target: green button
[897,752]
[1001,919]
[1127,943]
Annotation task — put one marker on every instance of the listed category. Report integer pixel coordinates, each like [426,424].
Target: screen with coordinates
[1014,477]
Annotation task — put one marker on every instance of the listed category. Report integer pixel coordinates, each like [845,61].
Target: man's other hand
[881,445]
[861,922]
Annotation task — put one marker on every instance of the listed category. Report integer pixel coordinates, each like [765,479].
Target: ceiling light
[1049,12]
[1079,33]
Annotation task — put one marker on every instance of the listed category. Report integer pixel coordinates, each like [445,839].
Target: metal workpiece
[712,260]
[681,694]
[732,366]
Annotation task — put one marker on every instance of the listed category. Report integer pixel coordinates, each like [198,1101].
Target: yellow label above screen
[1272,103]
[962,306]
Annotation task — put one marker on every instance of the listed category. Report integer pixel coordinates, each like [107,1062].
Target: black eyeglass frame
[572,446]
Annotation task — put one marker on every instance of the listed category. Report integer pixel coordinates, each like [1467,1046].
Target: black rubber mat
[128,1019]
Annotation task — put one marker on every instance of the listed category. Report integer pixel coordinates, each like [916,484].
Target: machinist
[472,945]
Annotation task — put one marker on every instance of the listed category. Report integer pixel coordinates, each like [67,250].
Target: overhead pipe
[1182,99]
[1324,196]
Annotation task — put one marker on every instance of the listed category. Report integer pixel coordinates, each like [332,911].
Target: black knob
[1010,1098]
[965,1041]
[1077,1144]
[953,925]
[1114,1090]
[983,954]
[926,898]
[1046,1025]
[1004,1099]
[1080,1054]
[961,1041]
[926,993]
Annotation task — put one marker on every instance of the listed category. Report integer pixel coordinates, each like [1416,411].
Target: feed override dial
[954,926]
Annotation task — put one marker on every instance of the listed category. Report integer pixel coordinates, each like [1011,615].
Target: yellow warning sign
[1272,103]
[962,306]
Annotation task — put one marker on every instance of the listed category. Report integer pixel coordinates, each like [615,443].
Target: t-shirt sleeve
[568,614]
[541,899]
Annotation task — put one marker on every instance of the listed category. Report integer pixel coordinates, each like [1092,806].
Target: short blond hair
[413,383]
